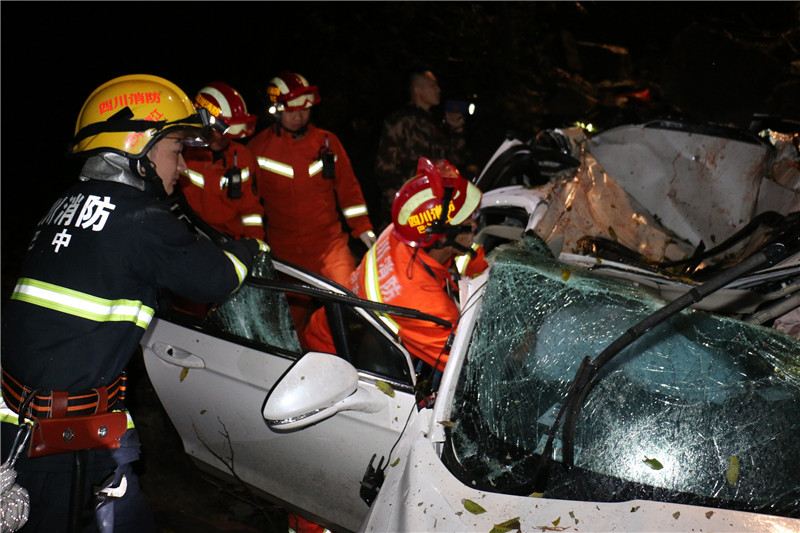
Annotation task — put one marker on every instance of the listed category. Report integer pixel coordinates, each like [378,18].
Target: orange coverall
[389,273]
[300,206]
[205,188]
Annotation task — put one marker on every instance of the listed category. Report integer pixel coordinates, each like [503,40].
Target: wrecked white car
[572,400]
[663,204]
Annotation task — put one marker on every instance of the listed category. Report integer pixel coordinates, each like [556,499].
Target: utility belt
[64,422]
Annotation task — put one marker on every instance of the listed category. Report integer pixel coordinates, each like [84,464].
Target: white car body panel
[317,469]
[420,494]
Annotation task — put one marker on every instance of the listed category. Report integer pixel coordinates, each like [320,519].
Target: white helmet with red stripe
[223,100]
[289,91]
[433,204]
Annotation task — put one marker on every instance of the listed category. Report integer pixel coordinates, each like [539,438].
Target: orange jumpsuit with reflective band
[205,188]
[300,206]
[390,274]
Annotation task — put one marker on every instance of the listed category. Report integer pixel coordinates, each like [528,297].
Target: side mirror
[316,387]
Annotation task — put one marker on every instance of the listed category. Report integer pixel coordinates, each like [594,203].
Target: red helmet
[289,91]
[223,100]
[417,207]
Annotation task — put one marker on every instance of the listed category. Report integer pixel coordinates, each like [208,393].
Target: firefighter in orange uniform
[219,180]
[303,174]
[412,262]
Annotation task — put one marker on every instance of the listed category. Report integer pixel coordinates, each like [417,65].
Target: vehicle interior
[258,315]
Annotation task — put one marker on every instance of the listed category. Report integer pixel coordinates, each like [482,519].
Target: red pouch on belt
[61,434]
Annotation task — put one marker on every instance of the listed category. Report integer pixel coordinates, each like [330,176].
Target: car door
[213,370]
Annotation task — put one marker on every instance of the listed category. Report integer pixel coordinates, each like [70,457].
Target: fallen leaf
[396,461]
[709,514]
[556,521]
[537,495]
[653,463]
[385,388]
[676,515]
[472,507]
[448,424]
[732,473]
[565,274]
[634,509]
[184,373]
[508,525]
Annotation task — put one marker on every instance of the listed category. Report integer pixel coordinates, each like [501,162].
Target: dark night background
[531,65]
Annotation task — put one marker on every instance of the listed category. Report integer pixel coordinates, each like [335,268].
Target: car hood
[420,494]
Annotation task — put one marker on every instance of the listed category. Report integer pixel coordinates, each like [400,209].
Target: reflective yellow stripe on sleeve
[355,211]
[241,270]
[82,305]
[463,260]
[252,220]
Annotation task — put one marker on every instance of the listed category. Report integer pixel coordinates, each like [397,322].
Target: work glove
[256,247]
[368,238]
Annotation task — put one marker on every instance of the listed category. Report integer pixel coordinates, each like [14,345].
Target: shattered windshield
[700,410]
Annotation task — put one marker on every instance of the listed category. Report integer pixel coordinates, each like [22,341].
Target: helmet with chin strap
[435,203]
[130,114]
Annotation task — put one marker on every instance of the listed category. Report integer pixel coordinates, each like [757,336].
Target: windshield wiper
[588,371]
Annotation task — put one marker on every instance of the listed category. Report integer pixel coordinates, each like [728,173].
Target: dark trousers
[48,481]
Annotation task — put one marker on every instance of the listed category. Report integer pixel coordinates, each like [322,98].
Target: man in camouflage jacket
[412,132]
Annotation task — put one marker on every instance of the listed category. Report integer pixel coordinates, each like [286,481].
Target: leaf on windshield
[653,463]
[184,373]
[732,473]
[472,507]
[385,388]
[508,525]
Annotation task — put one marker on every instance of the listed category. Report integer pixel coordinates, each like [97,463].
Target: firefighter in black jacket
[86,294]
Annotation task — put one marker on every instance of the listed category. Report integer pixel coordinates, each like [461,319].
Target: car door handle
[176,356]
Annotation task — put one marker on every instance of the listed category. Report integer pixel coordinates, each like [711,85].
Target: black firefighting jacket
[88,287]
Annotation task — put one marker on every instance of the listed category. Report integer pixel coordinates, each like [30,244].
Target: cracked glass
[256,313]
[701,410]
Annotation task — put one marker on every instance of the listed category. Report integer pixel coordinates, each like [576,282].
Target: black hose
[79,458]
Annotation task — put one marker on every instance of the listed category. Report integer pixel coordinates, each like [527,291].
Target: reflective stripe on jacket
[391,273]
[206,189]
[300,205]
[88,287]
